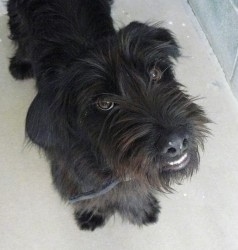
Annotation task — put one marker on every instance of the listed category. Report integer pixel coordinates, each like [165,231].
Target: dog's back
[50,34]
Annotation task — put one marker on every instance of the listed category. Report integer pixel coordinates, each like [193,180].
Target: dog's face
[122,99]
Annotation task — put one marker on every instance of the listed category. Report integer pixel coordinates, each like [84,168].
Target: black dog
[109,114]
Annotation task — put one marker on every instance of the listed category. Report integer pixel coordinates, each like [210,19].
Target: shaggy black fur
[108,106]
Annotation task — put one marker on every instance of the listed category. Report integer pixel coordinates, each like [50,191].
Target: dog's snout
[175,145]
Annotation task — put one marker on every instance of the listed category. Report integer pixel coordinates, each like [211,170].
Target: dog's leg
[20,64]
[20,67]
[140,211]
[89,214]
[91,219]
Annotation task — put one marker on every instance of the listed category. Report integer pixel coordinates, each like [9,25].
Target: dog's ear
[149,41]
[40,125]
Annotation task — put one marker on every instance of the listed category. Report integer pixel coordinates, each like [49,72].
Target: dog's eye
[104,104]
[155,74]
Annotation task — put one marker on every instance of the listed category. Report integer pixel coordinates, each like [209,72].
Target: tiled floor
[202,214]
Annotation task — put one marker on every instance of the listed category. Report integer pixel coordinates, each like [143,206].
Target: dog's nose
[176,145]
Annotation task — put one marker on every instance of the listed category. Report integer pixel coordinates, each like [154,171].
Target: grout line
[230,76]
[234,6]
[206,37]
[234,66]
[236,58]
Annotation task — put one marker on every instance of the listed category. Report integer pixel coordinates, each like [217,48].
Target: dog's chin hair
[151,174]
[169,178]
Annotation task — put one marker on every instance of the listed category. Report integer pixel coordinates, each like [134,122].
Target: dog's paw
[20,69]
[89,220]
[151,216]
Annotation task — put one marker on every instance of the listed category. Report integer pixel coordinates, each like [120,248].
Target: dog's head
[123,102]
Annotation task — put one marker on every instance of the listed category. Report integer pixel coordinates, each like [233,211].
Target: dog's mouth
[177,164]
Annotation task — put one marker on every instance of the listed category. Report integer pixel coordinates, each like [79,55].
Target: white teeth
[179,161]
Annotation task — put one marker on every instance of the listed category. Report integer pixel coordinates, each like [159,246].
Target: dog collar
[95,193]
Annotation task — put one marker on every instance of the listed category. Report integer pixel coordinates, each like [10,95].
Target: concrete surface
[219,21]
[201,215]
[3,7]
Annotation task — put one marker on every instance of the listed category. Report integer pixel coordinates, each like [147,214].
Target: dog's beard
[130,133]
[143,163]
